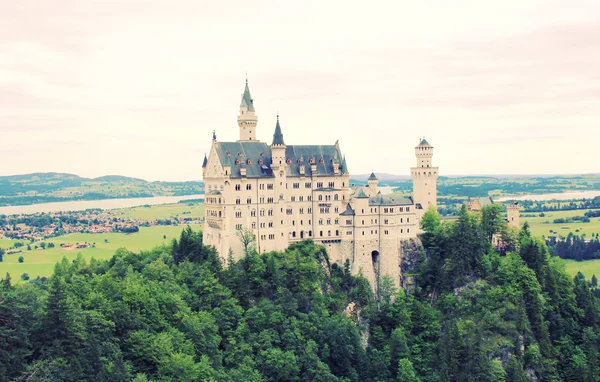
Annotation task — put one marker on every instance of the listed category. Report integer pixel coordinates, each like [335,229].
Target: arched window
[335,197]
[294,234]
[320,197]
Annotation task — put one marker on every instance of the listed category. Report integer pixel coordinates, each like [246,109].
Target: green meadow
[588,267]
[164,211]
[41,262]
[540,228]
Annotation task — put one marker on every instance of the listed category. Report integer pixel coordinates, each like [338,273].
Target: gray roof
[360,193]
[296,154]
[205,161]
[387,200]
[247,99]
[424,143]
[348,212]
[278,136]
[329,153]
[229,153]
[372,177]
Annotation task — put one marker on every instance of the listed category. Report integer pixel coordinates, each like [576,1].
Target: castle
[286,193]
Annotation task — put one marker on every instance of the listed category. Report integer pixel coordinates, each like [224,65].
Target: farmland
[41,262]
[540,227]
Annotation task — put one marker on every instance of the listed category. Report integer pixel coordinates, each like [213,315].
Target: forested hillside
[57,187]
[177,313]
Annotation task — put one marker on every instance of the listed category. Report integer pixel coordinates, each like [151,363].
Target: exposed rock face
[410,255]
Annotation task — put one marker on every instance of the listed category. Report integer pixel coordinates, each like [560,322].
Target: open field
[6,243]
[588,267]
[163,211]
[41,262]
[538,228]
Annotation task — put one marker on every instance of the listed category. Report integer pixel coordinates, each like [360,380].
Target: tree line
[487,304]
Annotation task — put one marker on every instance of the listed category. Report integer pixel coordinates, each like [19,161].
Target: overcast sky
[135,87]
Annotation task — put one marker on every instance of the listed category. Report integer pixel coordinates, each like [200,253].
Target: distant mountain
[56,187]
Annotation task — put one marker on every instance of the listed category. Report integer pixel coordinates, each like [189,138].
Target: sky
[136,87]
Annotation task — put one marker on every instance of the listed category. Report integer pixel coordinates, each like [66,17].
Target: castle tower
[424,176]
[513,213]
[373,182]
[278,146]
[247,118]
[279,168]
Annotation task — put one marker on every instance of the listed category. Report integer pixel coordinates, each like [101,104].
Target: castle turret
[513,211]
[247,118]
[373,182]
[424,176]
[278,147]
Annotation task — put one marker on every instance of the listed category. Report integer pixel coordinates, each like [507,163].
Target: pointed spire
[344,166]
[247,98]
[278,136]
[372,177]
[205,161]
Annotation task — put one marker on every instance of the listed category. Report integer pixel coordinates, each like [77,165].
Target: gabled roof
[372,177]
[360,194]
[424,143]
[278,136]
[247,100]
[205,161]
[348,212]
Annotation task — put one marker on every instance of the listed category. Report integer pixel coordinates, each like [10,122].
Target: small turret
[424,176]
[247,118]
[373,183]
[278,147]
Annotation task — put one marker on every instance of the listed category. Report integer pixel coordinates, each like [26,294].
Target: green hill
[55,187]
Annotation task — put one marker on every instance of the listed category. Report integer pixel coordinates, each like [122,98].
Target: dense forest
[575,247]
[177,313]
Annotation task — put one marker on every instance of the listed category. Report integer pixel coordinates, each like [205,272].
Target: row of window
[269,186]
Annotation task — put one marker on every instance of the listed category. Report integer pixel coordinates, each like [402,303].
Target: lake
[105,204]
[555,196]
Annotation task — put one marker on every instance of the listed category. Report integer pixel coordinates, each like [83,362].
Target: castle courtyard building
[284,193]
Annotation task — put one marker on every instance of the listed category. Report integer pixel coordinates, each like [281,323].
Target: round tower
[513,212]
[424,176]
[247,118]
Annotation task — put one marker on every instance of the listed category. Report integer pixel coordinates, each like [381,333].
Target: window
[320,197]
[328,221]
[386,232]
[328,233]
[270,224]
[320,221]
[269,186]
[307,185]
[237,201]
[288,211]
[336,210]
[332,184]
[294,234]
[238,187]
[296,185]
[310,210]
[270,200]
[337,232]
[253,225]
[348,221]
[262,212]
[293,198]
[301,198]
[261,186]
[253,213]
[248,186]
[271,212]
[238,227]
[249,201]
[335,197]
[238,214]
[301,210]
[319,184]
